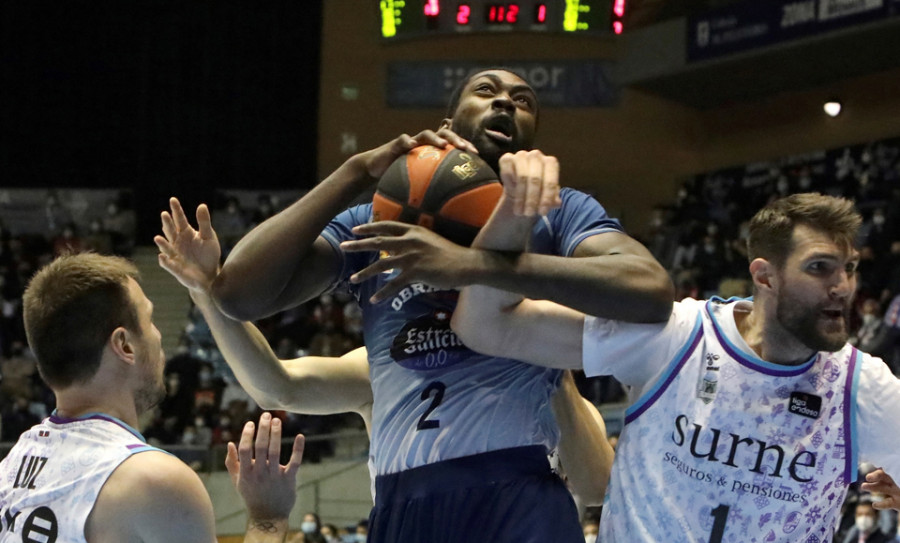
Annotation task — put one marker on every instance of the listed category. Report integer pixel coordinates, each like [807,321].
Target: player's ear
[446,123]
[763,274]
[121,344]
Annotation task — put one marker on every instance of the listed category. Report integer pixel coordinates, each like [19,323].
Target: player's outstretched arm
[284,261]
[879,482]
[584,452]
[313,385]
[267,488]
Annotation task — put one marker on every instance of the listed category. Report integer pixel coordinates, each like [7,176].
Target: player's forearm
[266,530]
[272,259]
[248,354]
[619,286]
[584,452]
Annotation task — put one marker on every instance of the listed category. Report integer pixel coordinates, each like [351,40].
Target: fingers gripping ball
[449,191]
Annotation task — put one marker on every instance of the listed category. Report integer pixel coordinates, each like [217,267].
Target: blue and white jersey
[53,475]
[435,399]
[722,446]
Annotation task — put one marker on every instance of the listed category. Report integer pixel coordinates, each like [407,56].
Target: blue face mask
[308,527]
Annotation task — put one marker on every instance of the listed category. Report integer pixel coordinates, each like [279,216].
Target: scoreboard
[422,18]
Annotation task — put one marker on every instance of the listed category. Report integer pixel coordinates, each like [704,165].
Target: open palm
[190,255]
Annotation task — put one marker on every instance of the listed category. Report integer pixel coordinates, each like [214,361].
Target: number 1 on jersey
[720,517]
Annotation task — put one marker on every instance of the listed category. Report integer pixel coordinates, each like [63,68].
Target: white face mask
[865,524]
[590,538]
[308,527]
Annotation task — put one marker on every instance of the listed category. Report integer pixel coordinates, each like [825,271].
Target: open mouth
[501,129]
[833,314]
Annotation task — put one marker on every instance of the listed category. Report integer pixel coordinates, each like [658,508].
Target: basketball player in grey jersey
[324,385]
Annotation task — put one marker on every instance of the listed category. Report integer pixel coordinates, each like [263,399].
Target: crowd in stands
[40,227]
[700,238]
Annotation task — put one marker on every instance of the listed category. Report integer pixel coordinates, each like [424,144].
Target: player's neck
[76,402]
[768,340]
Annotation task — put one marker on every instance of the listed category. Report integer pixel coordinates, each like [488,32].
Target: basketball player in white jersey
[326,385]
[85,474]
[749,417]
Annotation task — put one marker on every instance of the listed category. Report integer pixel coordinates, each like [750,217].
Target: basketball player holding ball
[459,440]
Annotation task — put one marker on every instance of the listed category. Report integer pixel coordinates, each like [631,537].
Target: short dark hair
[772,228]
[457,91]
[71,306]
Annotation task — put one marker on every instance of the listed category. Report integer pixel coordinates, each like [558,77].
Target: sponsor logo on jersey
[736,451]
[413,290]
[709,379]
[805,405]
[428,343]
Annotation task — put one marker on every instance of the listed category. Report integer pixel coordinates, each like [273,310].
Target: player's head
[803,264]
[81,307]
[772,228]
[496,110]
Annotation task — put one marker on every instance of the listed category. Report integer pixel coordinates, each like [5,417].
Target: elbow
[659,293]
[232,300]
[474,333]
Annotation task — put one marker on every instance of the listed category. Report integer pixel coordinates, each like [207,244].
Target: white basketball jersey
[52,476]
[722,446]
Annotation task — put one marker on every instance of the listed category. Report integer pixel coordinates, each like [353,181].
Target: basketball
[449,191]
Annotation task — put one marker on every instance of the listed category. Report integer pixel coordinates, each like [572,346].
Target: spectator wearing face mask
[865,528]
[330,532]
[311,528]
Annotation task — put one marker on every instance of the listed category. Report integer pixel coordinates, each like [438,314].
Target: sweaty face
[816,290]
[151,389]
[496,112]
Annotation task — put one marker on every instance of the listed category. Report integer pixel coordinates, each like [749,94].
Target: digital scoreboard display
[421,18]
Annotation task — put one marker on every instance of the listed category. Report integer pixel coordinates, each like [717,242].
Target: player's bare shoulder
[152,496]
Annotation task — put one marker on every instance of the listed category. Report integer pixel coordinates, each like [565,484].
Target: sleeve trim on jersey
[750,360]
[650,397]
[584,235]
[139,448]
[850,414]
[339,254]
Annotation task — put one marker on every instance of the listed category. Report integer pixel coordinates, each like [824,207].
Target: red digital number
[503,13]
[512,13]
[540,15]
[432,8]
[462,14]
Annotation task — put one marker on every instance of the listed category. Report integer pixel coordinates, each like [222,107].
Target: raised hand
[376,161]
[190,255]
[416,253]
[268,488]
[531,181]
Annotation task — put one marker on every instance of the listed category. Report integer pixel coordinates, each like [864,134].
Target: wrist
[356,170]
[202,297]
[272,526]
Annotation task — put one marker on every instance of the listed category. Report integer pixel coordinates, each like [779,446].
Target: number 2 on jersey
[438,389]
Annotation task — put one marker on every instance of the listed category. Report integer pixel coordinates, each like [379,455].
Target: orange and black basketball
[449,191]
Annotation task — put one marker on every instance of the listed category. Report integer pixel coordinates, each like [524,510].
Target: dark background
[165,97]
